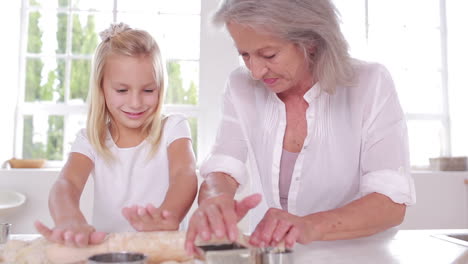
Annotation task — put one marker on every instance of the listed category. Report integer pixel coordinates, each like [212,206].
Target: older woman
[319,135]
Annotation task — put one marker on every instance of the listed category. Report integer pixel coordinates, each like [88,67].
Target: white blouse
[356,143]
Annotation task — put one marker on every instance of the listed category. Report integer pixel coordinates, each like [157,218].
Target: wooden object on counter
[26,163]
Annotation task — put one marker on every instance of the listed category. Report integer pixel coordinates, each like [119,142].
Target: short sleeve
[385,166]
[83,146]
[175,127]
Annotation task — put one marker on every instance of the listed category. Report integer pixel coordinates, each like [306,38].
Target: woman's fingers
[216,221]
[292,237]
[242,207]
[230,221]
[280,232]
[198,227]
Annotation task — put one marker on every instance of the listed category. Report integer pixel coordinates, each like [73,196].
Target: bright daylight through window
[416,40]
[59,40]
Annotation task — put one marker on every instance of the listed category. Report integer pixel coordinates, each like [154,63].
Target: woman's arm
[218,212]
[71,227]
[366,216]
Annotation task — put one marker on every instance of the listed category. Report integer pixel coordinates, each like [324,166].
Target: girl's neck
[126,137]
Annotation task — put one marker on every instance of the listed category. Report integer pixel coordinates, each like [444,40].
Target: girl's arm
[183,182]
[179,197]
[71,227]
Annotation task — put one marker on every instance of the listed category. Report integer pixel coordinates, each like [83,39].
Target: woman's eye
[149,90]
[121,90]
[269,56]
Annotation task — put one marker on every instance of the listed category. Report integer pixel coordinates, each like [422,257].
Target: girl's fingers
[96,238]
[144,215]
[43,230]
[81,239]
[69,238]
[154,212]
[57,236]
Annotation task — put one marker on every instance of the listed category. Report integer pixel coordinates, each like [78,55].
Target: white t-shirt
[356,143]
[132,179]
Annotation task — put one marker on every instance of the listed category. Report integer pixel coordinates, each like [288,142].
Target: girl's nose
[135,100]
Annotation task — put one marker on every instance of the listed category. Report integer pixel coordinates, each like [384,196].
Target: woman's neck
[297,91]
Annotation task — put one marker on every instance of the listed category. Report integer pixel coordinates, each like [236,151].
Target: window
[422,42]
[410,39]
[58,41]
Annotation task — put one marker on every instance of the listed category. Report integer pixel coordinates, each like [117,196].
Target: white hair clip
[113,30]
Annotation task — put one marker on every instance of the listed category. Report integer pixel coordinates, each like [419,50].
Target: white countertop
[392,246]
[389,247]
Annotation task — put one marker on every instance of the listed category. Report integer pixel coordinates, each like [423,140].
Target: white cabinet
[441,201]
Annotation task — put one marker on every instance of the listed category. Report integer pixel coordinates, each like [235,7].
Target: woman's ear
[311,50]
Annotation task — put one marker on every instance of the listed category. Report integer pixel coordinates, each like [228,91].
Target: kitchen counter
[392,246]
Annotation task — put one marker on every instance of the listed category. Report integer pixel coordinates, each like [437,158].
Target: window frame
[209,91]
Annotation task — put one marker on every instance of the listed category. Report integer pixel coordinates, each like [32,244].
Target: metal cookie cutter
[228,253]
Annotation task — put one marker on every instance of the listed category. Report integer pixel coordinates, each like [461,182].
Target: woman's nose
[257,68]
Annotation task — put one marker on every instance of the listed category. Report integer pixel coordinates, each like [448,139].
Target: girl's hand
[72,234]
[279,226]
[150,218]
[218,216]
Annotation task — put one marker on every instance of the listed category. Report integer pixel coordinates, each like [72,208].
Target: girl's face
[281,65]
[130,90]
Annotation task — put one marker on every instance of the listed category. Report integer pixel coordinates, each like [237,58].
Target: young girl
[142,162]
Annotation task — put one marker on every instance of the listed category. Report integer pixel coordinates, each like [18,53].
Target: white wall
[35,185]
[442,200]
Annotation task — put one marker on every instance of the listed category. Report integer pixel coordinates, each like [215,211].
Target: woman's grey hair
[308,23]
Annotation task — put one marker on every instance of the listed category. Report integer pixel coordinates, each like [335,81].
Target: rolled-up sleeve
[229,153]
[385,166]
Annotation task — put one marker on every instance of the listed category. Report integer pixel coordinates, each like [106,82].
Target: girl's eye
[121,90]
[149,90]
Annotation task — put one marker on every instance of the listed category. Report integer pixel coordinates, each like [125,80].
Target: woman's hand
[218,215]
[280,226]
[150,218]
[72,234]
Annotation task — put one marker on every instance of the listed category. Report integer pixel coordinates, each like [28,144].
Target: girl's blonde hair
[308,23]
[120,39]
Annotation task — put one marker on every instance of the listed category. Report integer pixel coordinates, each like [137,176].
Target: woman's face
[281,65]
